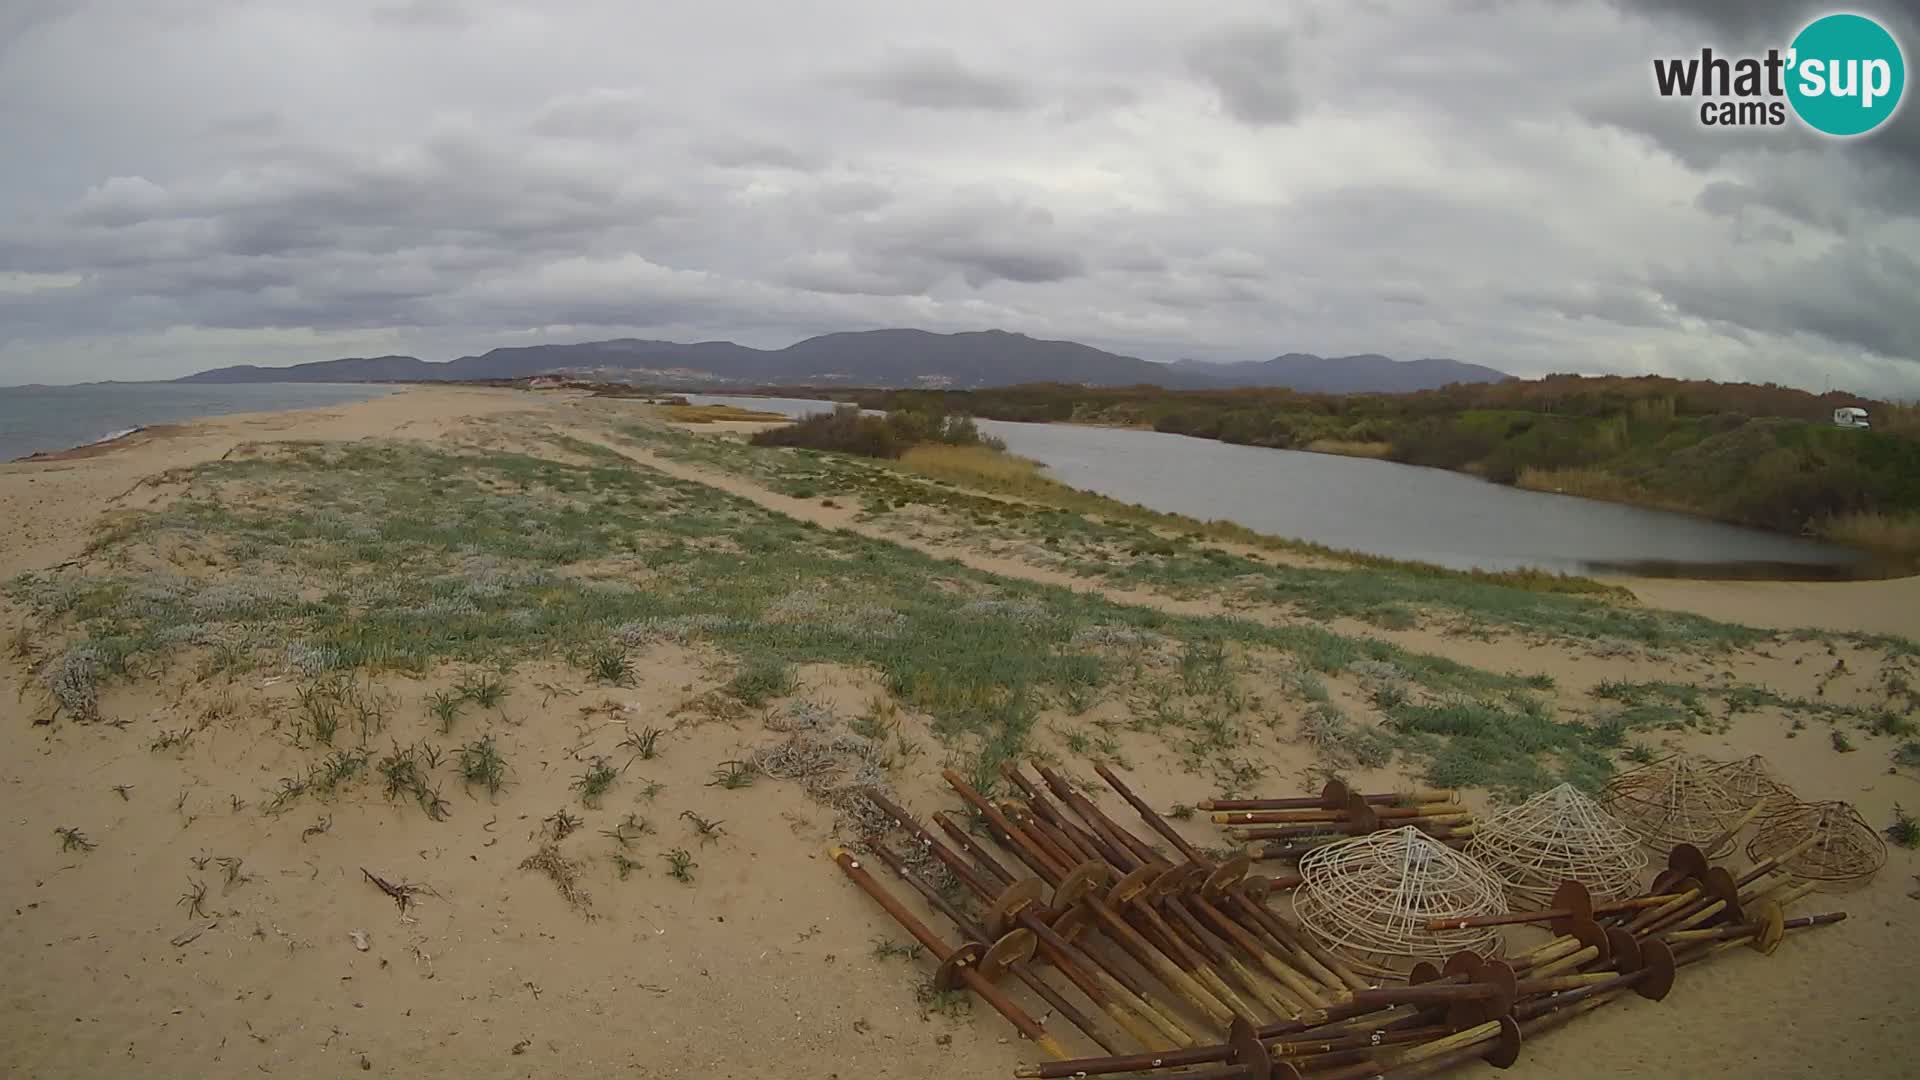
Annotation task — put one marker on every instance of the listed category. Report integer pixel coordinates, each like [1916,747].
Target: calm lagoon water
[1399,511]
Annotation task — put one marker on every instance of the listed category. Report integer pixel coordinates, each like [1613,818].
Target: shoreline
[133,427]
[1699,594]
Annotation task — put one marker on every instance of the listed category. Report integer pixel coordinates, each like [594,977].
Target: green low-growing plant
[761,678]
[168,740]
[680,865]
[561,824]
[952,1004]
[444,705]
[194,899]
[481,763]
[595,782]
[732,774]
[1905,831]
[608,662]
[484,689]
[644,743]
[889,949]
[631,828]
[72,839]
[1841,743]
[709,831]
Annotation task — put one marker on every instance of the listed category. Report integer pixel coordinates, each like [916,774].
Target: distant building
[1850,417]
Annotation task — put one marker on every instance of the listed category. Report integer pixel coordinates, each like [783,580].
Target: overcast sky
[190,183]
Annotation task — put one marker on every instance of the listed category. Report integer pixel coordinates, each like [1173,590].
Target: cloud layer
[200,182]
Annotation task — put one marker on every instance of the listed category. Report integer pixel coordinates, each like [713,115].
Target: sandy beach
[212,924]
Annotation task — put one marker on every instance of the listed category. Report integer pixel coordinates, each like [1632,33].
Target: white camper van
[1850,417]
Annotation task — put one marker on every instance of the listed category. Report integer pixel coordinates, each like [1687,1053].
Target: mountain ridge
[879,358]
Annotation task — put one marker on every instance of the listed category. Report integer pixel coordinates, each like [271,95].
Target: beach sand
[765,966]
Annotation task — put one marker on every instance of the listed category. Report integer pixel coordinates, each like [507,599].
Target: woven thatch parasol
[1370,899]
[1750,780]
[1846,848]
[1676,800]
[1559,835]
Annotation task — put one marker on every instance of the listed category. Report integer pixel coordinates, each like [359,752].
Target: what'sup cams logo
[1842,75]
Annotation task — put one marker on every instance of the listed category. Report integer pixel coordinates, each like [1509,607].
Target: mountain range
[877,358]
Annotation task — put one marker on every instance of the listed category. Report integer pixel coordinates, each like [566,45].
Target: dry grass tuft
[709,414]
[977,465]
[1891,534]
[1584,482]
[1350,448]
[563,872]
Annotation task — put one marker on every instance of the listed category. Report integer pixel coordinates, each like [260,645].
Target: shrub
[850,431]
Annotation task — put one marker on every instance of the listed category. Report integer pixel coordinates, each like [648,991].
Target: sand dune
[119,964]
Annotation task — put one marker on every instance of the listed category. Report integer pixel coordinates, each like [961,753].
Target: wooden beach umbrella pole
[958,966]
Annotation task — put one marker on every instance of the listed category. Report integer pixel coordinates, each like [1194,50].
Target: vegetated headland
[1764,456]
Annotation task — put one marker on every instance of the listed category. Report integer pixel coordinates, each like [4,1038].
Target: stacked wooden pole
[1288,828]
[1479,1009]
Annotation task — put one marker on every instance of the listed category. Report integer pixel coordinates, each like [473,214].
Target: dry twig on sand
[402,894]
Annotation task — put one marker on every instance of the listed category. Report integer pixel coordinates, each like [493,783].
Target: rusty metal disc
[1131,886]
[1247,1051]
[1493,973]
[1657,961]
[1506,1050]
[1683,861]
[948,976]
[1168,883]
[1257,887]
[1572,897]
[1015,947]
[1071,923]
[1018,897]
[1720,885]
[1423,972]
[1463,963]
[1334,795]
[1587,932]
[1226,875]
[1079,883]
[1361,818]
[1770,925]
[1626,949]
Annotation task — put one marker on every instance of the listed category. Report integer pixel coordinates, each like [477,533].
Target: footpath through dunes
[1592,642]
[669,608]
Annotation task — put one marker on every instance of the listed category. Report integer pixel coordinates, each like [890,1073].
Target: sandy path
[1879,607]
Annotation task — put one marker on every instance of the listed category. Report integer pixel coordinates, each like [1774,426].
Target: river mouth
[1405,512]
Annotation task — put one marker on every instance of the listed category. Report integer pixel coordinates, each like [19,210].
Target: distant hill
[1368,373]
[875,358]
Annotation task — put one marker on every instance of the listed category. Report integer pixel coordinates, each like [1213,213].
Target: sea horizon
[51,418]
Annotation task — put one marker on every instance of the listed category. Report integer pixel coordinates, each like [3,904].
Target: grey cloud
[1250,67]
[439,15]
[598,114]
[844,273]
[746,153]
[594,170]
[936,79]
[1746,21]
[1859,294]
